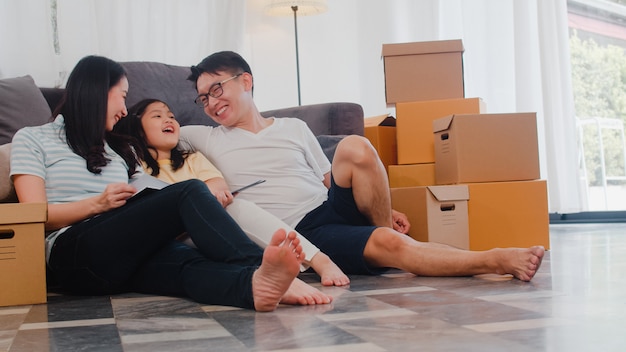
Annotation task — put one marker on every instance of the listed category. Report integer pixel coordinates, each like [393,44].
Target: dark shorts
[339,230]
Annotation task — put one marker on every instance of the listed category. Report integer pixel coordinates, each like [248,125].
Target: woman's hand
[114,196]
[31,188]
[64,214]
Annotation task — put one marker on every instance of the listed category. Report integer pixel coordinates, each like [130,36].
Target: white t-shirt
[286,154]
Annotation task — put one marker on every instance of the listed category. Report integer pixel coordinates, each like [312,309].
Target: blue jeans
[134,248]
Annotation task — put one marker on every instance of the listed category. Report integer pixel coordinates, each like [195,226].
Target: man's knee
[356,149]
[384,248]
[386,239]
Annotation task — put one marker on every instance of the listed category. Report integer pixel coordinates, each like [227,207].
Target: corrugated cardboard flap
[417,48]
[442,124]
[380,120]
[449,193]
[23,213]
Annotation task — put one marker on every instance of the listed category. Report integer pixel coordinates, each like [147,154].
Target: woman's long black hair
[131,126]
[84,109]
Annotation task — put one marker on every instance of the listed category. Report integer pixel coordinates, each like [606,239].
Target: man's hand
[400,222]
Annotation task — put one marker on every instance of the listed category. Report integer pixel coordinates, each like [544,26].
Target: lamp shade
[305,7]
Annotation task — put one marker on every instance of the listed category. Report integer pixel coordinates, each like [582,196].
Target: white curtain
[516,53]
[177,32]
[561,137]
[26,40]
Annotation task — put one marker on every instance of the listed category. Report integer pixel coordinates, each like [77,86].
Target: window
[598,59]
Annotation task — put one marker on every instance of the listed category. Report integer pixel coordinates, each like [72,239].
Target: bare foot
[280,266]
[522,263]
[304,294]
[329,271]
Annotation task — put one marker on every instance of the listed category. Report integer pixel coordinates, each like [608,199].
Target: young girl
[155,127]
[98,243]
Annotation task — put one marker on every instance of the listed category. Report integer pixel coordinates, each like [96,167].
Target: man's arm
[194,137]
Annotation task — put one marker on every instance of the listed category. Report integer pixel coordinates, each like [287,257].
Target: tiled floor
[577,302]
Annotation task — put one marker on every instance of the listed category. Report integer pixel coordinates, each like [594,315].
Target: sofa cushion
[167,83]
[329,144]
[7,192]
[21,104]
[338,118]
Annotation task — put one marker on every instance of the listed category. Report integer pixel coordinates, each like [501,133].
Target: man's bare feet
[280,266]
[329,271]
[304,294]
[522,263]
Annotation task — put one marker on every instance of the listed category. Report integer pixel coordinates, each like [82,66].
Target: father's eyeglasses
[215,91]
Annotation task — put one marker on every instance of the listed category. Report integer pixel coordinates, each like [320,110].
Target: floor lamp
[295,8]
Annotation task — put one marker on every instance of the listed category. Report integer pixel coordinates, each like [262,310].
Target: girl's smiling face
[161,128]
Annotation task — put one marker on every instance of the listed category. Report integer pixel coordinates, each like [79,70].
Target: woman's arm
[30,188]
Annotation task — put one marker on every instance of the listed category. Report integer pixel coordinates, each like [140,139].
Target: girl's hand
[220,190]
[224,197]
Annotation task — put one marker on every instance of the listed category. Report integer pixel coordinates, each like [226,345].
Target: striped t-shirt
[42,151]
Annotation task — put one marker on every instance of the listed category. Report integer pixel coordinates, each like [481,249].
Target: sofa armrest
[7,191]
[326,119]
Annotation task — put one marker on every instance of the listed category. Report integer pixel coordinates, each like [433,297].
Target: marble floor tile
[576,302]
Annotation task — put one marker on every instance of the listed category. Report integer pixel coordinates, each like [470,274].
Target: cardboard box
[423,71]
[414,123]
[436,213]
[22,257]
[486,148]
[412,175]
[508,214]
[381,132]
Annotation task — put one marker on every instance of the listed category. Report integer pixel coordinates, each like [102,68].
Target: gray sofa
[22,103]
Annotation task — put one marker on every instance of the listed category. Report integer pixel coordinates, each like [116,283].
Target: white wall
[329,56]
[507,62]
[340,50]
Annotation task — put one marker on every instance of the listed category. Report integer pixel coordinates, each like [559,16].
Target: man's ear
[248,80]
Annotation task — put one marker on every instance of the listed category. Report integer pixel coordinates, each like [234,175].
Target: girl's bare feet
[522,263]
[304,294]
[280,266]
[329,271]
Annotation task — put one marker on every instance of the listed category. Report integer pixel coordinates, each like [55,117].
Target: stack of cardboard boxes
[464,177]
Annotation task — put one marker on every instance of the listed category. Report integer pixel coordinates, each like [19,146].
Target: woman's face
[116,106]
[160,127]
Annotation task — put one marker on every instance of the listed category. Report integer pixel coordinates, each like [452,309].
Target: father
[343,208]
